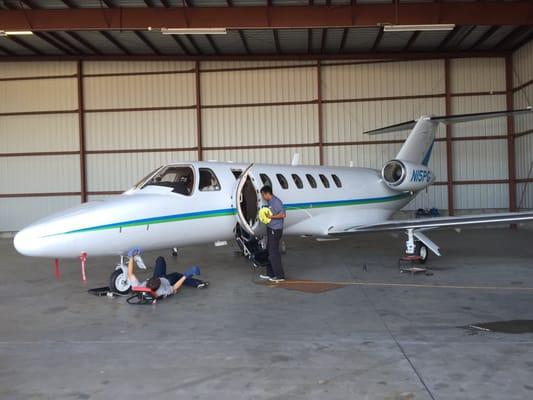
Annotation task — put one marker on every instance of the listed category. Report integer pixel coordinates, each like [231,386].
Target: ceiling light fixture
[411,28]
[15,33]
[194,31]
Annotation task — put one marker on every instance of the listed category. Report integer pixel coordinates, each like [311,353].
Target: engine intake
[403,175]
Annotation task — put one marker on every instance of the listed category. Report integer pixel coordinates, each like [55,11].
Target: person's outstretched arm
[178,284]
[132,253]
[131,275]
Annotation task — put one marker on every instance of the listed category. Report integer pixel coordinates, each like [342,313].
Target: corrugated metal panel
[383,79]
[140,129]
[259,86]
[473,36]
[475,104]
[16,213]
[116,67]
[524,155]
[477,75]
[360,39]
[392,41]
[523,64]
[485,159]
[56,132]
[433,197]
[260,125]
[333,40]
[38,95]
[524,193]
[348,121]
[308,155]
[45,68]
[110,172]
[140,91]
[260,40]
[522,99]
[40,174]
[375,156]
[370,156]
[100,197]
[481,197]
[292,40]
[230,43]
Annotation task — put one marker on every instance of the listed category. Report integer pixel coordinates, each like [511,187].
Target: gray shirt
[164,290]
[276,206]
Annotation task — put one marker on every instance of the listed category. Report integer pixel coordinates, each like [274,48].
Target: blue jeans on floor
[160,271]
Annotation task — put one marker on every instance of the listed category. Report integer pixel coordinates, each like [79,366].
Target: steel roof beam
[411,40]
[362,56]
[269,17]
[244,42]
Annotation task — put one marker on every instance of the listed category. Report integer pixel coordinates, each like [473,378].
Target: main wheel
[421,250]
[118,282]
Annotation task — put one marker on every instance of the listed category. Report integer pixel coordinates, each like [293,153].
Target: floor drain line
[399,346]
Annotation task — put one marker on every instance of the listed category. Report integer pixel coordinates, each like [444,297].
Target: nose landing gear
[118,281]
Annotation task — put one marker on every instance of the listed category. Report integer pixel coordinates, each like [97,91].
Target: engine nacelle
[403,175]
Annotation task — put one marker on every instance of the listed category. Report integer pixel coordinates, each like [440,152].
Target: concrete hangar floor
[243,340]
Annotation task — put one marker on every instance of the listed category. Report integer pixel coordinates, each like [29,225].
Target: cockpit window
[143,180]
[208,181]
[179,178]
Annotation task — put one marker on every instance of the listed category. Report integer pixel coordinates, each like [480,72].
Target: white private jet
[184,204]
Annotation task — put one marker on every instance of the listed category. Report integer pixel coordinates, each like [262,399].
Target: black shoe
[202,285]
[275,279]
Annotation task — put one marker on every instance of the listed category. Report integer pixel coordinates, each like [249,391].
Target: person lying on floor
[161,283]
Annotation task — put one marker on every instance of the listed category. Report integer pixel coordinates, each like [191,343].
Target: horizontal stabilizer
[451,119]
[435,223]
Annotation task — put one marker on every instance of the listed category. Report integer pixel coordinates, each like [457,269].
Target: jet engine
[403,175]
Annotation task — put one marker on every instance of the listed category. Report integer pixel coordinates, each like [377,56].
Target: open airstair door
[248,201]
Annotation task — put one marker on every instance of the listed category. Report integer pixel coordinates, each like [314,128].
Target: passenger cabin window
[266,180]
[311,180]
[179,178]
[337,181]
[324,180]
[297,181]
[282,181]
[208,181]
[236,173]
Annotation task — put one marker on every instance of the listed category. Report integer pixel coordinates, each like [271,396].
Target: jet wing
[434,223]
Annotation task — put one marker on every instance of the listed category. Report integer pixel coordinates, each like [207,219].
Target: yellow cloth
[264,215]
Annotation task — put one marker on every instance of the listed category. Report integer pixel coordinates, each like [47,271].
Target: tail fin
[418,146]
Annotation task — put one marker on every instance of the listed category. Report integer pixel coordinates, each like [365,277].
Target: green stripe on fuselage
[232,211]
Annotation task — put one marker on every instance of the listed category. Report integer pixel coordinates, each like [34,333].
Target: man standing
[274,232]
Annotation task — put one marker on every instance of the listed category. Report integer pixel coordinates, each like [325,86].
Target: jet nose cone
[21,242]
[26,242]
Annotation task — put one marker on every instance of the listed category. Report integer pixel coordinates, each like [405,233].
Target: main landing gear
[415,249]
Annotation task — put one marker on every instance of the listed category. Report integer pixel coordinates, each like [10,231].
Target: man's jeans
[274,256]
[160,271]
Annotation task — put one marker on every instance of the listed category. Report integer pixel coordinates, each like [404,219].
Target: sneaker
[276,279]
[202,285]
[266,277]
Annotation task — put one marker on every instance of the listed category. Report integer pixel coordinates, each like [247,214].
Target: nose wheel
[118,282]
